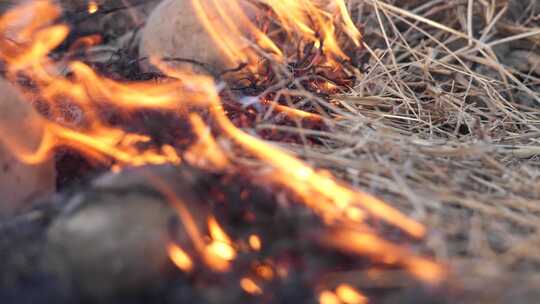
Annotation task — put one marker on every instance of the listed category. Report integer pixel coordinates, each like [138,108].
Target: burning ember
[260,38]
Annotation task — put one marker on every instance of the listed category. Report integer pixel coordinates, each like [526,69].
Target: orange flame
[320,192]
[218,252]
[349,295]
[92,7]
[255,242]
[249,286]
[205,153]
[328,297]
[264,271]
[232,25]
[27,37]
[220,248]
[368,244]
[179,257]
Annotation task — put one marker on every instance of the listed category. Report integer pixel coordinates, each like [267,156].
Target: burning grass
[444,123]
[431,113]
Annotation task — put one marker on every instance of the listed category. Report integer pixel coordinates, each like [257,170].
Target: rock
[110,243]
[173,30]
[111,239]
[21,132]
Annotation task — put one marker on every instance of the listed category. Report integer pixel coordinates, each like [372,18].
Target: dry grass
[445,124]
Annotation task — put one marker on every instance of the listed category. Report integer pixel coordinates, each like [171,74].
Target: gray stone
[21,132]
[109,243]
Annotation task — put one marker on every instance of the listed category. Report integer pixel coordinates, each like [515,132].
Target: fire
[28,35]
[92,7]
[216,249]
[205,153]
[221,246]
[347,294]
[343,294]
[179,257]
[264,271]
[255,242]
[368,244]
[249,286]
[26,46]
[222,250]
[320,192]
[303,22]
[295,113]
[328,297]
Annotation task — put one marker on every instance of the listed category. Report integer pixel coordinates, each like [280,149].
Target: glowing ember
[264,271]
[347,294]
[92,7]
[179,257]
[328,297]
[216,232]
[255,242]
[249,286]
[220,250]
[295,113]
